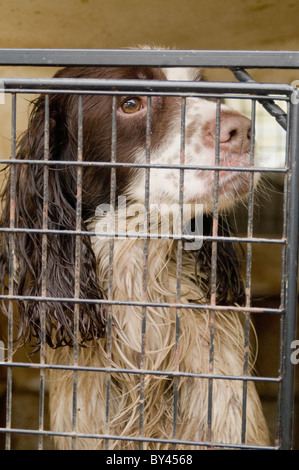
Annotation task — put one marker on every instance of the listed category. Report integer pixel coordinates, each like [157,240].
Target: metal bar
[111,264]
[270,106]
[167,373]
[171,93]
[179,266]
[117,86]
[77,267]
[138,439]
[276,241]
[248,274]
[287,405]
[44,270]
[145,266]
[285,216]
[148,304]
[11,274]
[153,58]
[143,165]
[213,300]
[94,85]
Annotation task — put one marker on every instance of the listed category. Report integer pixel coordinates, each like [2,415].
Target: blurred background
[188,24]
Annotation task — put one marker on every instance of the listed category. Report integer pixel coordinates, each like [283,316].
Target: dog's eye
[133,105]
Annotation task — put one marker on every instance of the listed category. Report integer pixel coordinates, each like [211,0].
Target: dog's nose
[235,133]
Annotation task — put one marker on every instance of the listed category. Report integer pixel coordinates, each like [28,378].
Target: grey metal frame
[256,92]
[155,58]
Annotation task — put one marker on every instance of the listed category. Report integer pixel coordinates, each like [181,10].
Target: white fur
[199,187]
[161,354]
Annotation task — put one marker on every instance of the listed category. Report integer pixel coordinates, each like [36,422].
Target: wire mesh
[286,311]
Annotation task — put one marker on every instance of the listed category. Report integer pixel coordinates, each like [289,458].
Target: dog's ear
[44,263]
[229,282]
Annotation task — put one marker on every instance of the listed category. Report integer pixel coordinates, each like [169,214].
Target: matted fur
[124,351]
[161,355]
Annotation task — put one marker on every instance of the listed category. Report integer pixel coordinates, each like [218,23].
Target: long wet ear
[45,263]
[229,282]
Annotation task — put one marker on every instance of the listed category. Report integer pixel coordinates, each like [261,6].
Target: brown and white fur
[122,349]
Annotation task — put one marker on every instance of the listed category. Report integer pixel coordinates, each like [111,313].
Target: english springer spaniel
[161,365]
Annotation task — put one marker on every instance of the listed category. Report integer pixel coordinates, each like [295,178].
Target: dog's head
[174,135]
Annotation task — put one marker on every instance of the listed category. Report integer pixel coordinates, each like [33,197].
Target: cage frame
[219,90]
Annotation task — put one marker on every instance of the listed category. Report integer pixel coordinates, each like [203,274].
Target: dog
[146,358]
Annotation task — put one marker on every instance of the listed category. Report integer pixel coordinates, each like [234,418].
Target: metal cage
[266,94]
